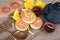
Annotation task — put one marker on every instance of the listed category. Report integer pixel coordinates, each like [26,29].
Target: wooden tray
[7,26]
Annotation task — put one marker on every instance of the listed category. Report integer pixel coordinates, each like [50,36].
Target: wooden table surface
[41,35]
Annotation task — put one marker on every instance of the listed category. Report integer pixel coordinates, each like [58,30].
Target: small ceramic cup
[49,27]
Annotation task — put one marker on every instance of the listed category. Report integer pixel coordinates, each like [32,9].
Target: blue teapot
[52,12]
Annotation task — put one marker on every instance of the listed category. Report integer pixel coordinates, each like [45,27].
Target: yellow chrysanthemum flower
[29,4]
[13,25]
[40,3]
[16,15]
[30,31]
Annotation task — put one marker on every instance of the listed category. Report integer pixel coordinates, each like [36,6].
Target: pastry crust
[22,26]
[28,16]
[37,24]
